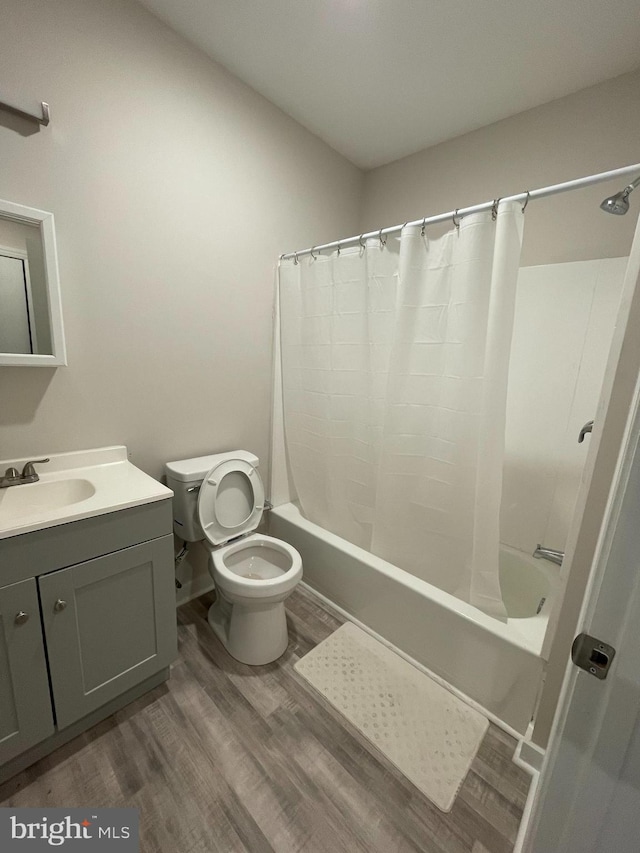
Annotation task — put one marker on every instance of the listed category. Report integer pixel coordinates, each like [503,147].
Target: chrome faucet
[29,475]
[549,554]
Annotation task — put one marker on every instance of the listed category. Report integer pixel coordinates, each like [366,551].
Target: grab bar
[43,120]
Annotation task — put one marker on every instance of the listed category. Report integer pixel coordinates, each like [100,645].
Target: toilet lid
[230,501]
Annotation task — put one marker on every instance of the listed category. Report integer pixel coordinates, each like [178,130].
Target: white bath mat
[425,731]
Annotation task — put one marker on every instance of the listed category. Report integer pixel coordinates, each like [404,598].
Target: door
[589,797]
[25,703]
[109,624]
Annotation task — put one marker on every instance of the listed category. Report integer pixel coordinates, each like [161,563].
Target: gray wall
[174,189]
[594,130]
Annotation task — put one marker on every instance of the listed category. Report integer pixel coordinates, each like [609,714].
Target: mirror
[31,331]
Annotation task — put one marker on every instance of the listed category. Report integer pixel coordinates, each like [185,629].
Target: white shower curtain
[395,365]
[337,320]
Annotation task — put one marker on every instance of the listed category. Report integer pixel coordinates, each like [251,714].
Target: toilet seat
[232,566]
[230,501]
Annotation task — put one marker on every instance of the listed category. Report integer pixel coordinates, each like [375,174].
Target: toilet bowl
[220,499]
[253,577]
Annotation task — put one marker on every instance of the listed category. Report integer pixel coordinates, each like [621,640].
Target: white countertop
[74,486]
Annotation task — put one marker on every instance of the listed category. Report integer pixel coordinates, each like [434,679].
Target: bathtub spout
[549,554]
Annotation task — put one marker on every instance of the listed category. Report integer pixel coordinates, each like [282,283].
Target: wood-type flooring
[226,757]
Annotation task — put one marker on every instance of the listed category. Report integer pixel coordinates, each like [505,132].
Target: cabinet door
[109,624]
[25,703]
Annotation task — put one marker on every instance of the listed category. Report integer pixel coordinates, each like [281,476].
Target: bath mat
[430,735]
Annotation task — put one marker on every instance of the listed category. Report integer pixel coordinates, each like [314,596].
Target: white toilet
[220,499]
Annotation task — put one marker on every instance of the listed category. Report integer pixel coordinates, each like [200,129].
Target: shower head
[619,203]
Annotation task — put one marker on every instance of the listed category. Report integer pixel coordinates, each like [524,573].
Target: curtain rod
[453,215]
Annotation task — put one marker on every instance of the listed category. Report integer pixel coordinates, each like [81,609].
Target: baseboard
[529,756]
[421,667]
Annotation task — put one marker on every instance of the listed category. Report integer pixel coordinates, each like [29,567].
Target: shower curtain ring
[494,209]
[295,257]
[456,219]
[526,201]
[424,225]
[339,249]
[382,242]
[313,257]
[360,241]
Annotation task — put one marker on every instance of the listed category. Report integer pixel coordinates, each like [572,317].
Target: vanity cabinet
[107,626]
[91,628]
[26,716]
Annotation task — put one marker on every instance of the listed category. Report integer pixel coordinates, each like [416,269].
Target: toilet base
[255,635]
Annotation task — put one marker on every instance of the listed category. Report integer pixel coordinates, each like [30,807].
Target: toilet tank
[188,474]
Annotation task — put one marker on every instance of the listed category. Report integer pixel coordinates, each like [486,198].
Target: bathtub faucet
[549,554]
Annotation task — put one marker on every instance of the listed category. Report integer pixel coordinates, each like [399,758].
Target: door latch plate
[592,655]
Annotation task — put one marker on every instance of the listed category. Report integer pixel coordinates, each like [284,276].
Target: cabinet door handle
[59,605]
[21,617]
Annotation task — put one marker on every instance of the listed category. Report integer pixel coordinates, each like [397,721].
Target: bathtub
[496,665]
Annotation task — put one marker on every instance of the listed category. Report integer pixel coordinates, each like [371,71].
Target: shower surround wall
[563,328]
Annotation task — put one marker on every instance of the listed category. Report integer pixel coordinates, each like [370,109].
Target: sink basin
[19,501]
[74,486]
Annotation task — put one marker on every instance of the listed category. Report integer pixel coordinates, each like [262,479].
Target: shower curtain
[395,363]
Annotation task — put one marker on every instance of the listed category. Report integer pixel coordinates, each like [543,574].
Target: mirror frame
[44,221]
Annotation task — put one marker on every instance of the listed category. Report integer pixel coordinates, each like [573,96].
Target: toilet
[220,499]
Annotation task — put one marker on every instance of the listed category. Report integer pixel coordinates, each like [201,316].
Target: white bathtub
[496,665]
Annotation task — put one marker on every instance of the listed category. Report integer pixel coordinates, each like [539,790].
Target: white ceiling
[380,79]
